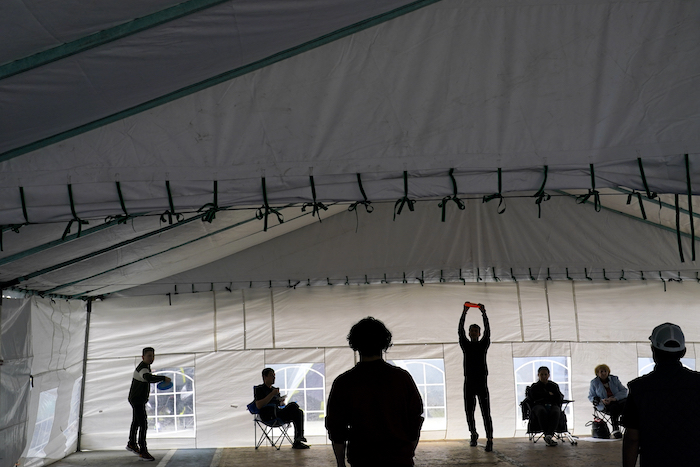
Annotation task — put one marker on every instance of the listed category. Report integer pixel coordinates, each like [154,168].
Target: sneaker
[299,445]
[617,434]
[549,441]
[145,456]
[133,448]
[489,445]
[302,439]
[474,439]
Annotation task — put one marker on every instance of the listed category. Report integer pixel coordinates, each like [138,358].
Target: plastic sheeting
[15,350]
[57,342]
[239,333]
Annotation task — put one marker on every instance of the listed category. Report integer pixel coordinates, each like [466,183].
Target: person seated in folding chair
[608,395]
[271,406]
[545,400]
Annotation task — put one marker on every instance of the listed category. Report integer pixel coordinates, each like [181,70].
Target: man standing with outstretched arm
[138,398]
[475,373]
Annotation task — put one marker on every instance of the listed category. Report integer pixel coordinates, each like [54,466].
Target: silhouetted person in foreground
[139,393]
[663,407]
[374,409]
[475,375]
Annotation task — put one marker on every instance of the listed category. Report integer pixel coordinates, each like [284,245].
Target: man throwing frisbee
[138,398]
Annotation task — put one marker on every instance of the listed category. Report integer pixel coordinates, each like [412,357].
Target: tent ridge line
[218,79]
[321,282]
[104,36]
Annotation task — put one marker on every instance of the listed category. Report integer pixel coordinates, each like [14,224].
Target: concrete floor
[507,452]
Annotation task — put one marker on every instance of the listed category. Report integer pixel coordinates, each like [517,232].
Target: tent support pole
[573,295]
[549,315]
[82,386]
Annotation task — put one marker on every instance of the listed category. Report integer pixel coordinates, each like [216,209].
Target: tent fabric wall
[42,344]
[310,324]
[568,239]
[16,353]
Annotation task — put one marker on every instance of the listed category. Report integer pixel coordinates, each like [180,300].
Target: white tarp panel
[118,75]
[569,240]
[475,86]
[57,342]
[424,325]
[15,368]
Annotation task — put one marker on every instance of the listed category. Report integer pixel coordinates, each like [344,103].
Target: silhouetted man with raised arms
[475,373]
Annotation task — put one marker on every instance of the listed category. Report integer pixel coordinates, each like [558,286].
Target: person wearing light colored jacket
[608,395]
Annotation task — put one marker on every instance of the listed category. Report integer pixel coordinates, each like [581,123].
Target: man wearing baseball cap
[662,414]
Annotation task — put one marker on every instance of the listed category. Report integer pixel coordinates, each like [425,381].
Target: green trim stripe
[223,77]
[104,37]
[55,243]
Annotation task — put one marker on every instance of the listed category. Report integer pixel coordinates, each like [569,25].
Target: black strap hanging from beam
[639,198]
[120,218]
[499,196]
[541,195]
[80,222]
[454,197]
[24,204]
[211,208]
[591,192]
[405,200]
[366,203]
[690,206]
[15,227]
[171,212]
[317,206]
[650,194]
[265,210]
[678,229]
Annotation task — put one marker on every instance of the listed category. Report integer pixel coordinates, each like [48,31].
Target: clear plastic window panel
[429,376]
[172,412]
[305,384]
[71,431]
[44,423]
[526,373]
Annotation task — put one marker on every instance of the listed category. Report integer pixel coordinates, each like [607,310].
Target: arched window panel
[305,384]
[429,376]
[526,373]
[171,413]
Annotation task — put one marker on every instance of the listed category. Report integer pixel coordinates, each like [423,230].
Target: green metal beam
[658,201]
[104,37]
[630,216]
[19,280]
[223,77]
[168,250]
[55,243]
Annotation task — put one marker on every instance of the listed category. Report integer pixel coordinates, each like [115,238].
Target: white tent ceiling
[232,102]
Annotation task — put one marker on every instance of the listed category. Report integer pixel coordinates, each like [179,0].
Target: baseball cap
[668,337]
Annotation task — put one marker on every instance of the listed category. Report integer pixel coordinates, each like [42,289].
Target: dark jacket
[141,383]
[376,408]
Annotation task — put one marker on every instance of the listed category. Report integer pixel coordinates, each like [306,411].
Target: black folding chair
[534,431]
[268,427]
